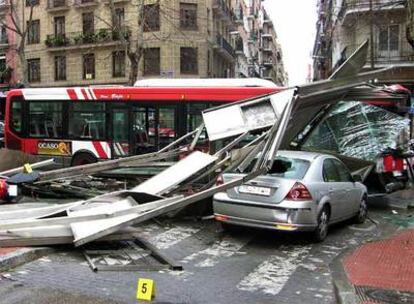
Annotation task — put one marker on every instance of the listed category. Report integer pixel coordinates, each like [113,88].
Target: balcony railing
[384,56]
[221,7]
[79,38]
[225,45]
[85,2]
[51,4]
[350,7]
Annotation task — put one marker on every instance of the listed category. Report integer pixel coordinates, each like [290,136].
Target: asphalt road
[246,266]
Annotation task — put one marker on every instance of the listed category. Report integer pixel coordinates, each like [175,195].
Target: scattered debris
[274,119]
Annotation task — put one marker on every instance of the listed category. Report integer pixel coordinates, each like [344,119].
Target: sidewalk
[12,257]
[377,272]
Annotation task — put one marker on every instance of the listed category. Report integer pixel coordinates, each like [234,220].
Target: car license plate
[254,190]
[12,190]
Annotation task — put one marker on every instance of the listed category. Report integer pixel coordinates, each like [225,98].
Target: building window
[118,64]
[152,61]
[33,33]
[32,2]
[33,70]
[3,35]
[389,38]
[3,68]
[151,17]
[188,60]
[88,23]
[89,66]
[60,68]
[59,24]
[119,18]
[188,16]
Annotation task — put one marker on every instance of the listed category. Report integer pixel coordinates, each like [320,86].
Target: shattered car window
[358,130]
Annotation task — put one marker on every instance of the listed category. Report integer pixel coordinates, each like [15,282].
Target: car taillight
[219,180]
[299,192]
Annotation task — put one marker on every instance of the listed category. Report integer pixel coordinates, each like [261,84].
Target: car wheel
[321,230]
[362,212]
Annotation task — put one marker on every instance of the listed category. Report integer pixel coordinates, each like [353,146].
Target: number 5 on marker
[145,289]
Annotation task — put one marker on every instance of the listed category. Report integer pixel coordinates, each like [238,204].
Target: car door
[333,188]
[351,198]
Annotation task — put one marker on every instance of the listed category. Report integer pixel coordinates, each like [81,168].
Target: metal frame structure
[276,118]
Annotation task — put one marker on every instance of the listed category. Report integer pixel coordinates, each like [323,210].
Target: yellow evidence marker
[145,289]
[27,168]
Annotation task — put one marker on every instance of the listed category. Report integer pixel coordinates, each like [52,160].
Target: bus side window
[87,120]
[16,116]
[45,119]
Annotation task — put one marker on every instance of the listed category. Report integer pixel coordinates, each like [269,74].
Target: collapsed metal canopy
[278,116]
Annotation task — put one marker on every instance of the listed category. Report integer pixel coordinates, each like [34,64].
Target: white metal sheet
[246,116]
[105,208]
[176,174]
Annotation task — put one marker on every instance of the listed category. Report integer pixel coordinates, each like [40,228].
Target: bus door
[160,123]
[167,125]
[141,120]
[121,142]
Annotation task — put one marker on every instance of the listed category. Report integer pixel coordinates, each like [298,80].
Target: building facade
[258,52]
[345,24]
[87,42]
[7,49]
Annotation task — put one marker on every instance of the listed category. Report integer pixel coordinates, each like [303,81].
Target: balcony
[268,21]
[57,5]
[85,3]
[115,1]
[239,49]
[352,8]
[252,38]
[267,74]
[221,8]
[267,48]
[101,37]
[268,62]
[225,47]
[251,14]
[402,54]
[238,15]
[267,35]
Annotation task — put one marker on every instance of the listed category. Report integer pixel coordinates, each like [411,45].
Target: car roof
[310,156]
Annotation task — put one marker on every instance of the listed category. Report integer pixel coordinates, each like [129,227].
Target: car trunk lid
[262,189]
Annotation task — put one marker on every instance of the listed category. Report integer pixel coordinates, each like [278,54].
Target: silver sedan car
[303,191]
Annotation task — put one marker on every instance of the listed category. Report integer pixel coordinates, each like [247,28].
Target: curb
[343,289]
[22,256]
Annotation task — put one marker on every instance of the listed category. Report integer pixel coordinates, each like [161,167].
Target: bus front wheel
[83,159]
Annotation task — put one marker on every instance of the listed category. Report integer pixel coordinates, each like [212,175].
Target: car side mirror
[357,178]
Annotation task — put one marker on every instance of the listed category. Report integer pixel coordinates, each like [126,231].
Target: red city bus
[83,125]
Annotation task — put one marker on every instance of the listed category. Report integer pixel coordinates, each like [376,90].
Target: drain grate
[383,296]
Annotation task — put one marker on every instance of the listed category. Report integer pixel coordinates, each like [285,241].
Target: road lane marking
[271,275]
[224,248]
[172,236]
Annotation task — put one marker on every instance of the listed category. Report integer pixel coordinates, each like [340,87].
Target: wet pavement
[244,266]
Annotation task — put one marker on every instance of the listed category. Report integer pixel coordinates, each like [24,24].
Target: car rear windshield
[290,168]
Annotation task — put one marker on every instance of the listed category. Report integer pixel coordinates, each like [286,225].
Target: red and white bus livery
[83,125]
